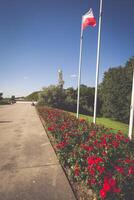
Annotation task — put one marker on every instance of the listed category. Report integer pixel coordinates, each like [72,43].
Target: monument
[60,79]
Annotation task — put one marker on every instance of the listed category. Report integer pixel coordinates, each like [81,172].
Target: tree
[116,90]
[13,99]
[52,96]
[87,100]
[70,99]
[66,99]
[34,96]
[1,95]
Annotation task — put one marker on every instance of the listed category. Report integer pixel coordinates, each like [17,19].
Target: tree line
[114,95]
[5,101]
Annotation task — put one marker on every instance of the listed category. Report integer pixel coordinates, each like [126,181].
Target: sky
[38,37]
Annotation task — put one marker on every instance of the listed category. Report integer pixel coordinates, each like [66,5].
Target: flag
[88,19]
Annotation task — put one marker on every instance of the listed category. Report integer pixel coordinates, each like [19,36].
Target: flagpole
[79,73]
[97,63]
[131,111]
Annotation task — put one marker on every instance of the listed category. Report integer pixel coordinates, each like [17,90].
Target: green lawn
[109,123]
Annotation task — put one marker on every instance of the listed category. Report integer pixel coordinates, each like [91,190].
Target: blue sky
[37,37]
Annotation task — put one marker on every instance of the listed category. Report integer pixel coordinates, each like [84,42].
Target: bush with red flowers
[93,155]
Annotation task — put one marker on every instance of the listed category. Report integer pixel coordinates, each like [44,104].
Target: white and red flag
[88,19]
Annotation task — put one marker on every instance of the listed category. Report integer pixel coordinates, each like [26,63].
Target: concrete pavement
[29,169]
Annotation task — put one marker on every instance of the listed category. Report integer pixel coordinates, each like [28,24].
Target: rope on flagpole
[97,63]
[79,73]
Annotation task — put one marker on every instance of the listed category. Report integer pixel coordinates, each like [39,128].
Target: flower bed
[93,156]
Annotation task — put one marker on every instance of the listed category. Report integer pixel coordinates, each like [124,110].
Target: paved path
[29,169]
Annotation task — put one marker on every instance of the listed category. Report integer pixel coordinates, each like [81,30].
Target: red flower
[97,149]
[87,148]
[119,169]
[63,127]
[126,140]
[92,182]
[61,145]
[98,160]
[115,144]
[82,120]
[104,153]
[51,128]
[91,160]
[100,169]
[112,182]
[127,160]
[104,142]
[76,170]
[131,170]
[92,133]
[103,193]
[106,187]
[116,190]
[91,170]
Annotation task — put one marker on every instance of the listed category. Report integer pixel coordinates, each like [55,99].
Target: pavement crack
[30,167]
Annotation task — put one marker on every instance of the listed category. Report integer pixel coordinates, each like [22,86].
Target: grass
[108,123]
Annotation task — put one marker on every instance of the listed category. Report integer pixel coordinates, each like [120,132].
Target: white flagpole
[131,111]
[97,63]
[79,73]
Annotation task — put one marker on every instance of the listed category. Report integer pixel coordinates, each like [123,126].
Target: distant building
[60,79]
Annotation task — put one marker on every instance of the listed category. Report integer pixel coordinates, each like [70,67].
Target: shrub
[93,155]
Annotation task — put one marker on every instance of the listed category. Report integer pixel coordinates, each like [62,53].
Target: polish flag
[88,19]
